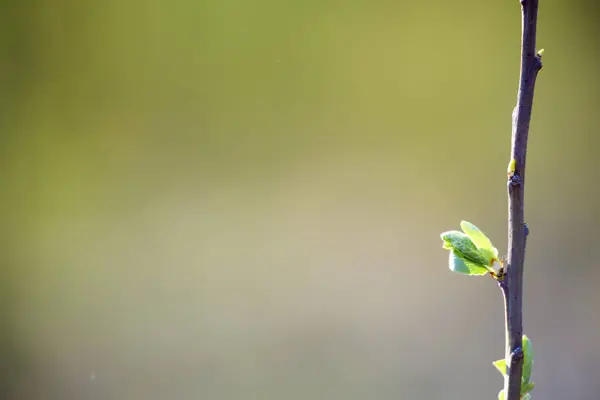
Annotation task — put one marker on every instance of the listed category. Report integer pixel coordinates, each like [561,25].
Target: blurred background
[225,199]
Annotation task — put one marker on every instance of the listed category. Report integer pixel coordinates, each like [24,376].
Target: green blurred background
[225,199]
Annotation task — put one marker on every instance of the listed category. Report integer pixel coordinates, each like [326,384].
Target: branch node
[516,355]
[518,352]
[502,285]
[526,229]
[537,65]
[515,180]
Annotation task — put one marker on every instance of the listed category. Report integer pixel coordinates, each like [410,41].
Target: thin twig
[517,235]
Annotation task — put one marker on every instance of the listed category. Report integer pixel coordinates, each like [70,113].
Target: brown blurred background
[226,199]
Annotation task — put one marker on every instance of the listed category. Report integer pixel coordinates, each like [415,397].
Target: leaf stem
[513,288]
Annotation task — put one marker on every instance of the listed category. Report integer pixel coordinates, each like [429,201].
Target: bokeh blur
[229,199]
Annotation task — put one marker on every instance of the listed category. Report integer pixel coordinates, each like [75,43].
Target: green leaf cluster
[471,252]
[526,384]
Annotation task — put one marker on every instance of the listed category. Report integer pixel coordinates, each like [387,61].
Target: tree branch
[512,288]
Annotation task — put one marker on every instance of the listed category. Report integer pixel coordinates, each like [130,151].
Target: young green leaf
[527,387]
[501,395]
[463,266]
[500,366]
[464,247]
[452,239]
[482,242]
[527,359]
